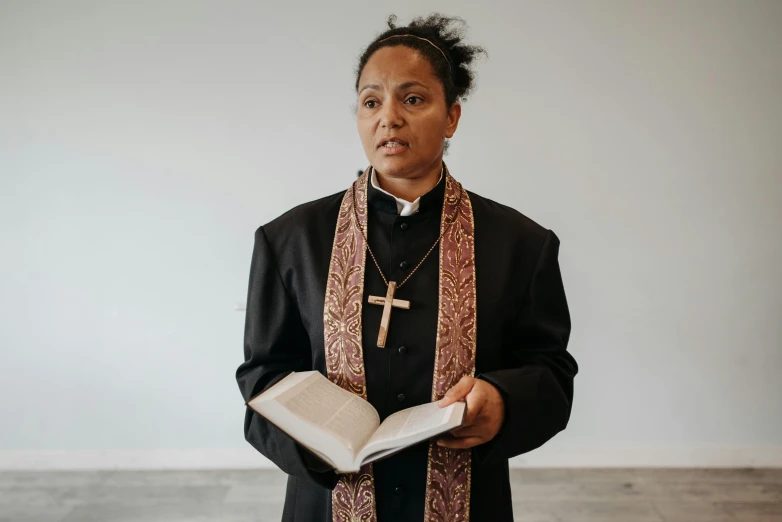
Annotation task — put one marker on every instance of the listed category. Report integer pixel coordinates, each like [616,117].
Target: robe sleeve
[536,381]
[275,344]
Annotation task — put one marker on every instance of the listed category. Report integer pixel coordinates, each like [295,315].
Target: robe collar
[432,201]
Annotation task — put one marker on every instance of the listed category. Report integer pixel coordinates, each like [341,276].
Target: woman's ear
[454,113]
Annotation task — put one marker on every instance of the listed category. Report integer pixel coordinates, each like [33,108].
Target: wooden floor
[610,495]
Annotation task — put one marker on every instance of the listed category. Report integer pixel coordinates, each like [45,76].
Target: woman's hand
[484,415]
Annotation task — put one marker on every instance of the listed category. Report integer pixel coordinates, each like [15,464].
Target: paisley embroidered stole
[448,473]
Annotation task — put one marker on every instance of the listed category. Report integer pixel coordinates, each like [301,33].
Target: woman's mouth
[393,147]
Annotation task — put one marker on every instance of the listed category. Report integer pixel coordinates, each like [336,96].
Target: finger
[458,392]
[475,403]
[461,443]
[466,431]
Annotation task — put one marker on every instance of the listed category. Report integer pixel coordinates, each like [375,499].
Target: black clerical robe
[522,333]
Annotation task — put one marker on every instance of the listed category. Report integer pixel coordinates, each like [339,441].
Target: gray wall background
[142,143]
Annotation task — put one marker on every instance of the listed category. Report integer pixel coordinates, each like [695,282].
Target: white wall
[141,144]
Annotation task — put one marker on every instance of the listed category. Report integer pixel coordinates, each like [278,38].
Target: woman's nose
[391,115]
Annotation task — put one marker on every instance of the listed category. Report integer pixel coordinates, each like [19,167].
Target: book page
[413,425]
[412,420]
[323,403]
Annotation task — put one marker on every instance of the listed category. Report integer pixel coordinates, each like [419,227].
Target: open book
[342,428]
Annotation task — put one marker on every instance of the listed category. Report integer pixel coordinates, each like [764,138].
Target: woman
[487,320]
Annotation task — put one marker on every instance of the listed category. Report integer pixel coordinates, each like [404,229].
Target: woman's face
[400,97]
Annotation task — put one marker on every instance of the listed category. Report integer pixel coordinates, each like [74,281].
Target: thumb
[458,392]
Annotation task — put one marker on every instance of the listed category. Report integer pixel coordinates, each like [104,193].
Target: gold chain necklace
[389,302]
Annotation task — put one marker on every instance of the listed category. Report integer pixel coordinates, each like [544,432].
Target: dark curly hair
[452,66]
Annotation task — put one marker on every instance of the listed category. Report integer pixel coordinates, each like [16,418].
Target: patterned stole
[448,473]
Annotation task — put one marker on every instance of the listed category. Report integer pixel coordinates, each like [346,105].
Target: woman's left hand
[484,415]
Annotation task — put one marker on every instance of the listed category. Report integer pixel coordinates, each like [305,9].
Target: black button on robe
[522,335]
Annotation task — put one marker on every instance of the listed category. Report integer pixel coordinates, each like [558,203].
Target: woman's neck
[410,189]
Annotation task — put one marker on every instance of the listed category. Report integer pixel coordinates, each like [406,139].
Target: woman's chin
[393,166]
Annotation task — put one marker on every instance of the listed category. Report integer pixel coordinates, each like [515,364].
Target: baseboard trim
[652,457]
[613,457]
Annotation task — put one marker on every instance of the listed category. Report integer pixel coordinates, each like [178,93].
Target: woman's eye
[370,104]
[413,100]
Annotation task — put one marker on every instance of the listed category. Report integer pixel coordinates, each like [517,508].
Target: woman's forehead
[392,66]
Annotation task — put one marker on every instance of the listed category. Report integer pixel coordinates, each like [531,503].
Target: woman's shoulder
[306,218]
[502,232]
[488,212]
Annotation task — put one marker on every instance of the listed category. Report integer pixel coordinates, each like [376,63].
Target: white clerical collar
[405,208]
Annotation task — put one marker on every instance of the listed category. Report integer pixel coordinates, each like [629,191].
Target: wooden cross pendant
[387,303]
